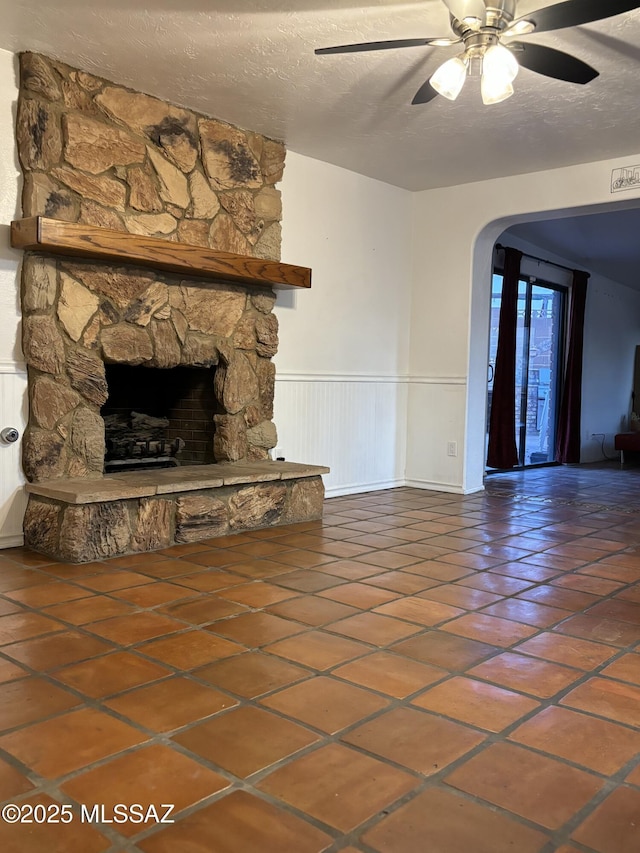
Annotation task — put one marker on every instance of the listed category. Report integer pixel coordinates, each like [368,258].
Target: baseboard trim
[478,490]
[361,488]
[451,488]
[11,541]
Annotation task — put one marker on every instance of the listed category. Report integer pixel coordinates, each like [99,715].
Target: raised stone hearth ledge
[82,520]
[166,481]
[40,234]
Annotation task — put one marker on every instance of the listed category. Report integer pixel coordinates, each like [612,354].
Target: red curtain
[568,440]
[502,451]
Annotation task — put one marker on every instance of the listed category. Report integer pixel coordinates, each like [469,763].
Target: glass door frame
[521,425]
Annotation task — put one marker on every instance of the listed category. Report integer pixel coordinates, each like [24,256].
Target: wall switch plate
[452,448]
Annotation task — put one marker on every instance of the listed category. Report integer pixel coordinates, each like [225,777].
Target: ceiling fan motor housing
[498,15]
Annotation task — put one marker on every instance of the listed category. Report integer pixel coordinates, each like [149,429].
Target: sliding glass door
[539,359]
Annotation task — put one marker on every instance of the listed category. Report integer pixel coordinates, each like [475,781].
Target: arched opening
[612,326]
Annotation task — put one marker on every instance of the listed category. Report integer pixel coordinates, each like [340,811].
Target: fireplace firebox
[158,418]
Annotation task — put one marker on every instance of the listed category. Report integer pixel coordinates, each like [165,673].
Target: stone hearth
[82,520]
[98,154]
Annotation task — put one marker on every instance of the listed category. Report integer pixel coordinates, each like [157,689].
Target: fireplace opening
[158,418]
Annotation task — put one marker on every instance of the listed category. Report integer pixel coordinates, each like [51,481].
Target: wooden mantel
[40,234]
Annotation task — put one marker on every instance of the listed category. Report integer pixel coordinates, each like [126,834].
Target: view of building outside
[538,365]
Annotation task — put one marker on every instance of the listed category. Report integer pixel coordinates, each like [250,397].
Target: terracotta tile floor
[418,673]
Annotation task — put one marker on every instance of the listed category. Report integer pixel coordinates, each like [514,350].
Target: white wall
[341,368]
[611,334]
[455,229]
[13,381]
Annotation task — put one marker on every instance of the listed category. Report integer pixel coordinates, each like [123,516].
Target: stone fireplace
[127,318]
[116,309]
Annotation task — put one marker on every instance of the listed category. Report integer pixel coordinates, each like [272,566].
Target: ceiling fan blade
[425,93]
[462,9]
[572,13]
[386,45]
[553,63]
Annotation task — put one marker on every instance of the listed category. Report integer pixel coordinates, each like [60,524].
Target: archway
[479,322]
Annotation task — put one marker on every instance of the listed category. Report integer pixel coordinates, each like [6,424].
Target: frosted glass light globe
[449,78]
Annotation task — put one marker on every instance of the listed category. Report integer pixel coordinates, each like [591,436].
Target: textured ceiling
[251,62]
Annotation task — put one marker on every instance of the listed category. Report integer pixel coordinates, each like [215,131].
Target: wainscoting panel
[13,396]
[354,423]
[435,442]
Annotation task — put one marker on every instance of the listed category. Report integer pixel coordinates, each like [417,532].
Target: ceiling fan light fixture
[486,28]
[494,90]
[449,78]
[500,64]
[499,70]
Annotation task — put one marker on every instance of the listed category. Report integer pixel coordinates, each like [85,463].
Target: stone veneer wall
[98,153]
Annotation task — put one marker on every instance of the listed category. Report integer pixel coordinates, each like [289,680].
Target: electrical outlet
[452,448]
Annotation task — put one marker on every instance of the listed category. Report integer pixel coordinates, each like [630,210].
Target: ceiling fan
[487,29]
